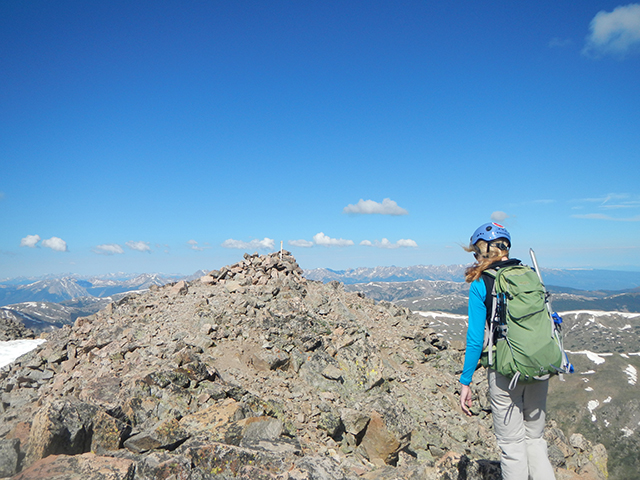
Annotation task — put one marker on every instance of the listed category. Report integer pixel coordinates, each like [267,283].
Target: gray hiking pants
[518,423]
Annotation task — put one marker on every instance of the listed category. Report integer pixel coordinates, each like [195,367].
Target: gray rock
[332,372]
[9,455]
[166,435]
[355,421]
[320,468]
[163,465]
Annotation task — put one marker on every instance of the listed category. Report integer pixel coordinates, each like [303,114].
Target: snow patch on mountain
[440,315]
[592,405]
[626,432]
[594,357]
[632,373]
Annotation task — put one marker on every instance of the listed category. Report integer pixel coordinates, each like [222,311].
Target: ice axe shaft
[537,270]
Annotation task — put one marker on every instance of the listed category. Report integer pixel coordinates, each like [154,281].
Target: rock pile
[252,372]
[10,328]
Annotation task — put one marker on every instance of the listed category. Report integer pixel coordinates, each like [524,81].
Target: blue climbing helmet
[490,232]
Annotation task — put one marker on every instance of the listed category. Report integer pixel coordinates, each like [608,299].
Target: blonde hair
[486,254]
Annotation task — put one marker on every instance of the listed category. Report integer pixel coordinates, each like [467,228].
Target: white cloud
[109,249]
[406,243]
[264,244]
[139,246]
[30,241]
[322,239]
[300,243]
[611,204]
[55,243]
[369,207]
[385,243]
[614,200]
[193,245]
[614,33]
[499,216]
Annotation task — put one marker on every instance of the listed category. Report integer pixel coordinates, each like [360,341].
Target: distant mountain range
[60,289]
[451,297]
[582,279]
[454,273]
[57,289]
[51,302]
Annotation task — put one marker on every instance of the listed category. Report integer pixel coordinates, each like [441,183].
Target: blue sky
[166,136]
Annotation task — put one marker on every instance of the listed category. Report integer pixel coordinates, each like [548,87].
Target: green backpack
[520,339]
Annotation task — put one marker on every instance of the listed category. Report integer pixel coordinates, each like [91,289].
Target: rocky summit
[253,372]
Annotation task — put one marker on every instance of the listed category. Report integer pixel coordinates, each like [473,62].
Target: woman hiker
[518,414]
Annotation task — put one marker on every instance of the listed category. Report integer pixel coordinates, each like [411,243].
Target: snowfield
[11,350]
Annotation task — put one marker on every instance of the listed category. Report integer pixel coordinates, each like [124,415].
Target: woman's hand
[465,399]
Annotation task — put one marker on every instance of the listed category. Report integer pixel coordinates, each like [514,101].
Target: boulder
[87,466]
[180,288]
[381,445]
[60,427]
[9,456]
[108,433]
[165,435]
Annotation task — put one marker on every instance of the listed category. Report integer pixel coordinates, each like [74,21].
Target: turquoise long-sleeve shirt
[475,330]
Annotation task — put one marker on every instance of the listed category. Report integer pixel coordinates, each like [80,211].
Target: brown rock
[380,444]
[79,467]
[102,391]
[20,431]
[180,288]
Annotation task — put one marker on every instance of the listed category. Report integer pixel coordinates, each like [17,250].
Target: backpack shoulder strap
[490,302]
[489,279]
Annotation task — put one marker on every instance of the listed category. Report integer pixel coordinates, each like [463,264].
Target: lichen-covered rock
[108,433]
[166,435]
